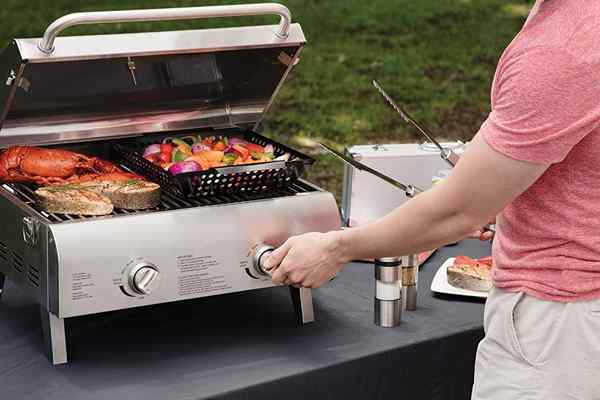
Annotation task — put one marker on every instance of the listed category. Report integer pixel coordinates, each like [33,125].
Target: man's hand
[483,234]
[309,260]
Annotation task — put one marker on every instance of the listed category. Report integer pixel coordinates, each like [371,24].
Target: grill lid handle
[46,44]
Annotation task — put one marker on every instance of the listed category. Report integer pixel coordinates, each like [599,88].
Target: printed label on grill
[79,288]
[199,275]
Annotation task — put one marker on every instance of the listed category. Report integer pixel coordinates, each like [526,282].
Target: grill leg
[55,343]
[2,281]
[303,305]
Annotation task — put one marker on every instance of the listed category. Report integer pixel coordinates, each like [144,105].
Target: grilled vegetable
[254,148]
[152,149]
[210,152]
[229,158]
[242,151]
[179,155]
[200,147]
[185,167]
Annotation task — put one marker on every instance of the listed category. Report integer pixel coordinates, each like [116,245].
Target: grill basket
[230,180]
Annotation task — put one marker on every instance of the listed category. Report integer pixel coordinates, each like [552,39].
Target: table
[248,346]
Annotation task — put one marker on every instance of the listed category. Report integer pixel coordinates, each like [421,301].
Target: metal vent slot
[33,275]
[4,254]
[17,263]
[168,202]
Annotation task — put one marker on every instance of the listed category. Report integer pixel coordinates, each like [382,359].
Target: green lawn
[435,56]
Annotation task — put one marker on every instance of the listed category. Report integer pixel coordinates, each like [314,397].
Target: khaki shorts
[538,350]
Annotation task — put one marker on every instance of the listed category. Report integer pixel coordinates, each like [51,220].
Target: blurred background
[437,57]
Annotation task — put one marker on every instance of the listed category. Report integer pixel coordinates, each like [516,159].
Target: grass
[437,57]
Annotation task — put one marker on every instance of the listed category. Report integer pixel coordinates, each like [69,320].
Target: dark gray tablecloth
[248,345]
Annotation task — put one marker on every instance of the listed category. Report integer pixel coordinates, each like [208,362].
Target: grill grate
[168,202]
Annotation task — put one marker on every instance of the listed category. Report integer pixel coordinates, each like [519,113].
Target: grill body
[84,266]
[87,93]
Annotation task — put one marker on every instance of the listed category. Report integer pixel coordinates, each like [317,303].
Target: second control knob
[144,278]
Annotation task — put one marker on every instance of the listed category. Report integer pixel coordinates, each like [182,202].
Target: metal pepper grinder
[388,292]
[410,279]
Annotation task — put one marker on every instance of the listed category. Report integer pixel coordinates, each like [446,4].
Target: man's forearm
[423,223]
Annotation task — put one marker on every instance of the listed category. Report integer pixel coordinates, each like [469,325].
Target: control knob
[259,258]
[144,278]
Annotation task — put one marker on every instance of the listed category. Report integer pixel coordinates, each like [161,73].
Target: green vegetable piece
[179,156]
[269,155]
[229,158]
[226,140]
[256,156]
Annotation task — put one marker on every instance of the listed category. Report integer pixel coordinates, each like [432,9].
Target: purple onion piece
[234,141]
[185,167]
[199,147]
[152,149]
[269,149]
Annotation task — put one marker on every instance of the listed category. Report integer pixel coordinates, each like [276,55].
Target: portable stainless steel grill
[89,93]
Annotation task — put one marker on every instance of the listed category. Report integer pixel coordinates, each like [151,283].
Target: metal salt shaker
[388,292]
[410,279]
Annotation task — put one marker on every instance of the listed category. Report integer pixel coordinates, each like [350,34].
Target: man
[535,162]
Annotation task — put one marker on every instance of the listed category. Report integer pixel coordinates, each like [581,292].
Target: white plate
[440,283]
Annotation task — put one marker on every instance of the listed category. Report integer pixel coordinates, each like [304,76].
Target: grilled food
[99,196]
[23,164]
[470,274]
[197,153]
[130,195]
[71,199]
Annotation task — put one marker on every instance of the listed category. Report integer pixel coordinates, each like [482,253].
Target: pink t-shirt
[546,110]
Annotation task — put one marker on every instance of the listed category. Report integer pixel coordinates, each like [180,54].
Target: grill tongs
[447,154]
[409,190]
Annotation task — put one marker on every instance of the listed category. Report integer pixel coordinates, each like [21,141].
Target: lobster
[23,164]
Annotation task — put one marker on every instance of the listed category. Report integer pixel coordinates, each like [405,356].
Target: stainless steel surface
[409,190]
[11,68]
[86,128]
[303,304]
[259,258]
[388,292]
[388,313]
[26,118]
[94,47]
[46,44]
[55,341]
[143,278]
[194,260]
[30,230]
[393,260]
[410,260]
[291,64]
[388,274]
[410,279]
[366,198]
[409,298]
[447,154]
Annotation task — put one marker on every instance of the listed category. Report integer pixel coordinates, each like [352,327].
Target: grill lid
[89,87]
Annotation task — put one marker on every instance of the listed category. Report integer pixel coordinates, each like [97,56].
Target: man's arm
[481,185]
